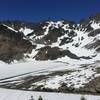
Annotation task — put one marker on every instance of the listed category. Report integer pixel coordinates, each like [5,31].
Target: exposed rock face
[95,44]
[76,45]
[48,53]
[13,45]
[92,87]
[94,32]
[57,39]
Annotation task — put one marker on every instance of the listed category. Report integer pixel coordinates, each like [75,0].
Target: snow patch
[26,31]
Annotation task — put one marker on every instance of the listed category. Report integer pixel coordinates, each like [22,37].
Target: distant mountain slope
[64,54]
[49,40]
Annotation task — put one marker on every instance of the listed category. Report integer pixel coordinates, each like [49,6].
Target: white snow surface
[10,28]
[26,30]
[80,75]
[95,25]
[6,94]
[34,67]
[77,79]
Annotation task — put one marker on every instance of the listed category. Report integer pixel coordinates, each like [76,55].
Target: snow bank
[6,94]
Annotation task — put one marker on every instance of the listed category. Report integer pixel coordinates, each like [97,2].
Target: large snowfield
[28,68]
[31,67]
[6,94]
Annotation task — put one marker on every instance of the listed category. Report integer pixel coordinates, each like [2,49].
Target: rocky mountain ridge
[50,40]
[63,56]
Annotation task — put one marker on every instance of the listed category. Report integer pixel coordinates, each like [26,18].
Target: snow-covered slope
[49,75]
[70,40]
[51,56]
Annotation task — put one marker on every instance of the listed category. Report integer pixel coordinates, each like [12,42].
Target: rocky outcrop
[48,53]
[56,38]
[94,33]
[13,45]
[52,53]
[92,87]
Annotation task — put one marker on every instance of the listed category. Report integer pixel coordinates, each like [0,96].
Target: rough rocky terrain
[77,45]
